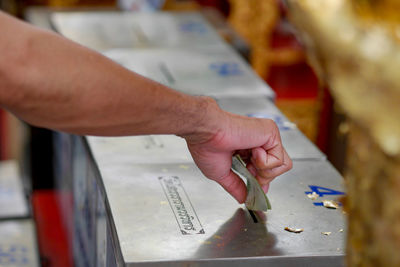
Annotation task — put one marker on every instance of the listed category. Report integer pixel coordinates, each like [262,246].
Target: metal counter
[106,30]
[217,72]
[171,215]
[18,244]
[13,203]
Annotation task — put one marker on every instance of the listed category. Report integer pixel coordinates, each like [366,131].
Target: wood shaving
[294,230]
[326,233]
[330,204]
[312,196]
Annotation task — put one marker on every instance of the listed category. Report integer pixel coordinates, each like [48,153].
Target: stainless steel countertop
[13,203]
[146,201]
[18,244]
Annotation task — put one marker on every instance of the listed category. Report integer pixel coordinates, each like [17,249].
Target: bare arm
[52,82]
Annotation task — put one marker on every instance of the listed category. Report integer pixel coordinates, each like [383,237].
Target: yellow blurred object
[383,10]
[304,113]
[256,20]
[72,3]
[355,48]
[177,5]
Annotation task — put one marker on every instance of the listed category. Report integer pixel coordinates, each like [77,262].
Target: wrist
[205,122]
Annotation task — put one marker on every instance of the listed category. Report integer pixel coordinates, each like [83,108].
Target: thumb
[234,186]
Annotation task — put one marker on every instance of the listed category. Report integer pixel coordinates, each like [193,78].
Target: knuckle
[280,161]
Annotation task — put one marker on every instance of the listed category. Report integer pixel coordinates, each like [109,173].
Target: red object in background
[51,233]
[284,38]
[293,81]
[325,121]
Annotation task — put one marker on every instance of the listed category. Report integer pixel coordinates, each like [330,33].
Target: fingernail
[265,188]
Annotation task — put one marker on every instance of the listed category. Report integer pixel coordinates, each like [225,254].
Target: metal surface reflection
[243,235]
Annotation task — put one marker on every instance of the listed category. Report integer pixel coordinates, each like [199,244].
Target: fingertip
[234,186]
[241,199]
[240,196]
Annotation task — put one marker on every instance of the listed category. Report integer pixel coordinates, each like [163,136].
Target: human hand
[256,140]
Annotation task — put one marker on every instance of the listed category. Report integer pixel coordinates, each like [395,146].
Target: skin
[49,81]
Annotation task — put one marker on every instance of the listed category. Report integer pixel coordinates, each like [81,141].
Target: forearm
[51,82]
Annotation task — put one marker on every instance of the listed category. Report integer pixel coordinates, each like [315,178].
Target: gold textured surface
[304,113]
[255,20]
[373,203]
[359,59]
[354,46]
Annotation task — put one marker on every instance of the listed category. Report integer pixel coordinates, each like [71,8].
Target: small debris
[245,229]
[312,196]
[326,233]
[338,249]
[341,230]
[294,230]
[330,204]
